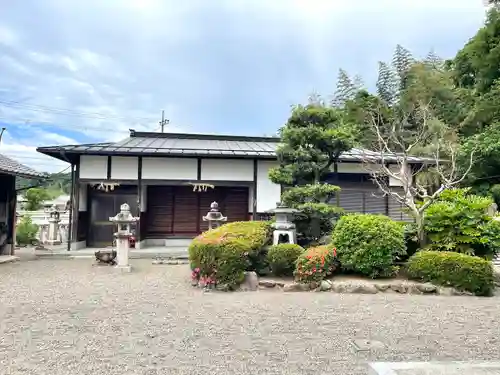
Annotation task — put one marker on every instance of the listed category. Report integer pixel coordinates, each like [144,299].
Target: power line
[68,112]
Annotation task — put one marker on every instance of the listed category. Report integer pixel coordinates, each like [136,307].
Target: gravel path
[68,317]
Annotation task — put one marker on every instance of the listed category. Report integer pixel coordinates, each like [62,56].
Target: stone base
[123,269]
[52,242]
[290,236]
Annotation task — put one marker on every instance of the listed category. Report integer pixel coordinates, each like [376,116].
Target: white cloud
[116,64]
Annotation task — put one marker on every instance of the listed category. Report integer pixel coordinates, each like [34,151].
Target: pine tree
[402,61]
[346,89]
[434,61]
[386,84]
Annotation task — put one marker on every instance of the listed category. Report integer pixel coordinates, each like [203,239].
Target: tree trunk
[419,220]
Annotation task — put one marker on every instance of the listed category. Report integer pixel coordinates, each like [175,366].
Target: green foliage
[463,272]
[311,142]
[316,263]
[369,244]
[60,183]
[26,231]
[283,257]
[495,193]
[35,197]
[223,254]
[486,148]
[317,216]
[460,222]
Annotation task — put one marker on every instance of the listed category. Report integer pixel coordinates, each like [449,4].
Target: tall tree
[402,61]
[387,83]
[312,141]
[346,89]
[431,138]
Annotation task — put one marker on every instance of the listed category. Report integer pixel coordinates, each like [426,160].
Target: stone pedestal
[122,252]
[53,237]
[284,236]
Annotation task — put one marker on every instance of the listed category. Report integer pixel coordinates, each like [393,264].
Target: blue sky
[86,71]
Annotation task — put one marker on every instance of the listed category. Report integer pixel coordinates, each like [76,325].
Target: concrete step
[166,253]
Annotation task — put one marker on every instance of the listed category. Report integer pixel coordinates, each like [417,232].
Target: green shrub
[316,263]
[460,222]
[221,255]
[463,272]
[26,231]
[369,244]
[283,257]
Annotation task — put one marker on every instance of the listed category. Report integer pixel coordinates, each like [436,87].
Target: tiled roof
[176,144]
[12,167]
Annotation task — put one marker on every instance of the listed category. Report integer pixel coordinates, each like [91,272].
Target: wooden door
[186,211]
[102,207]
[160,211]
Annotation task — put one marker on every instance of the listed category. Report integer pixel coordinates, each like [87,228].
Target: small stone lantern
[214,216]
[123,220]
[284,228]
[54,219]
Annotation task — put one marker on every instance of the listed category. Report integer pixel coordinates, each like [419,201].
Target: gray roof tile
[140,143]
[10,166]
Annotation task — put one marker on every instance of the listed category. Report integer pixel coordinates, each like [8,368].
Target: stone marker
[435,368]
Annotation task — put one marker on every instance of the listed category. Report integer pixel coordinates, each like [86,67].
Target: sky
[74,71]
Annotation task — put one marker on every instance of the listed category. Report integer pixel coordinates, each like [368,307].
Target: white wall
[124,167]
[356,168]
[226,170]
[398,170]
[268,193]
[92,166]
[169,168]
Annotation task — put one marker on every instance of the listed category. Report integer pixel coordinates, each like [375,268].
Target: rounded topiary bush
[222,255]
[463,272]
[316,263]
[283,257]
[369,244]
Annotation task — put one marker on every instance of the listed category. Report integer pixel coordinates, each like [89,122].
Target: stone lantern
[214,216]
[123,220]
[54,219]
[284,228]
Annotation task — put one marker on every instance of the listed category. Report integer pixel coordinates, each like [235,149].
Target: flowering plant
[316,263]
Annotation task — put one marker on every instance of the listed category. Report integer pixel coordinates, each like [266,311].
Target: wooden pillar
[254,189]
[11,216]
[139,225]
[75,204]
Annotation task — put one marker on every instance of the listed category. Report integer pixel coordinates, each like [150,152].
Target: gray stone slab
[435,368]
[367,345]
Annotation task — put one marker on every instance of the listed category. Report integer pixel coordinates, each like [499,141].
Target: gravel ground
[69,317]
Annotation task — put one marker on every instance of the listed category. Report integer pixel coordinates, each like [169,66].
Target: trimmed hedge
[221,255]
[283,257]
[460,271]
[316,263]
[369,244]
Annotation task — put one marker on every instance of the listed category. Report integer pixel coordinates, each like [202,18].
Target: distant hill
[57,183]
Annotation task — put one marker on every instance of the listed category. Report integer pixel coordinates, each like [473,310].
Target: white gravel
[69,317]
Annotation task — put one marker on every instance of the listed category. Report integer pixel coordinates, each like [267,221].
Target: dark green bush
[446,268]
[283,257]
[460,222]
[369,244]
[222,255]
[26,231]
[316,263]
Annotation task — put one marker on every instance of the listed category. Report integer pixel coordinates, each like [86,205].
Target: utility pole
[163,121]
